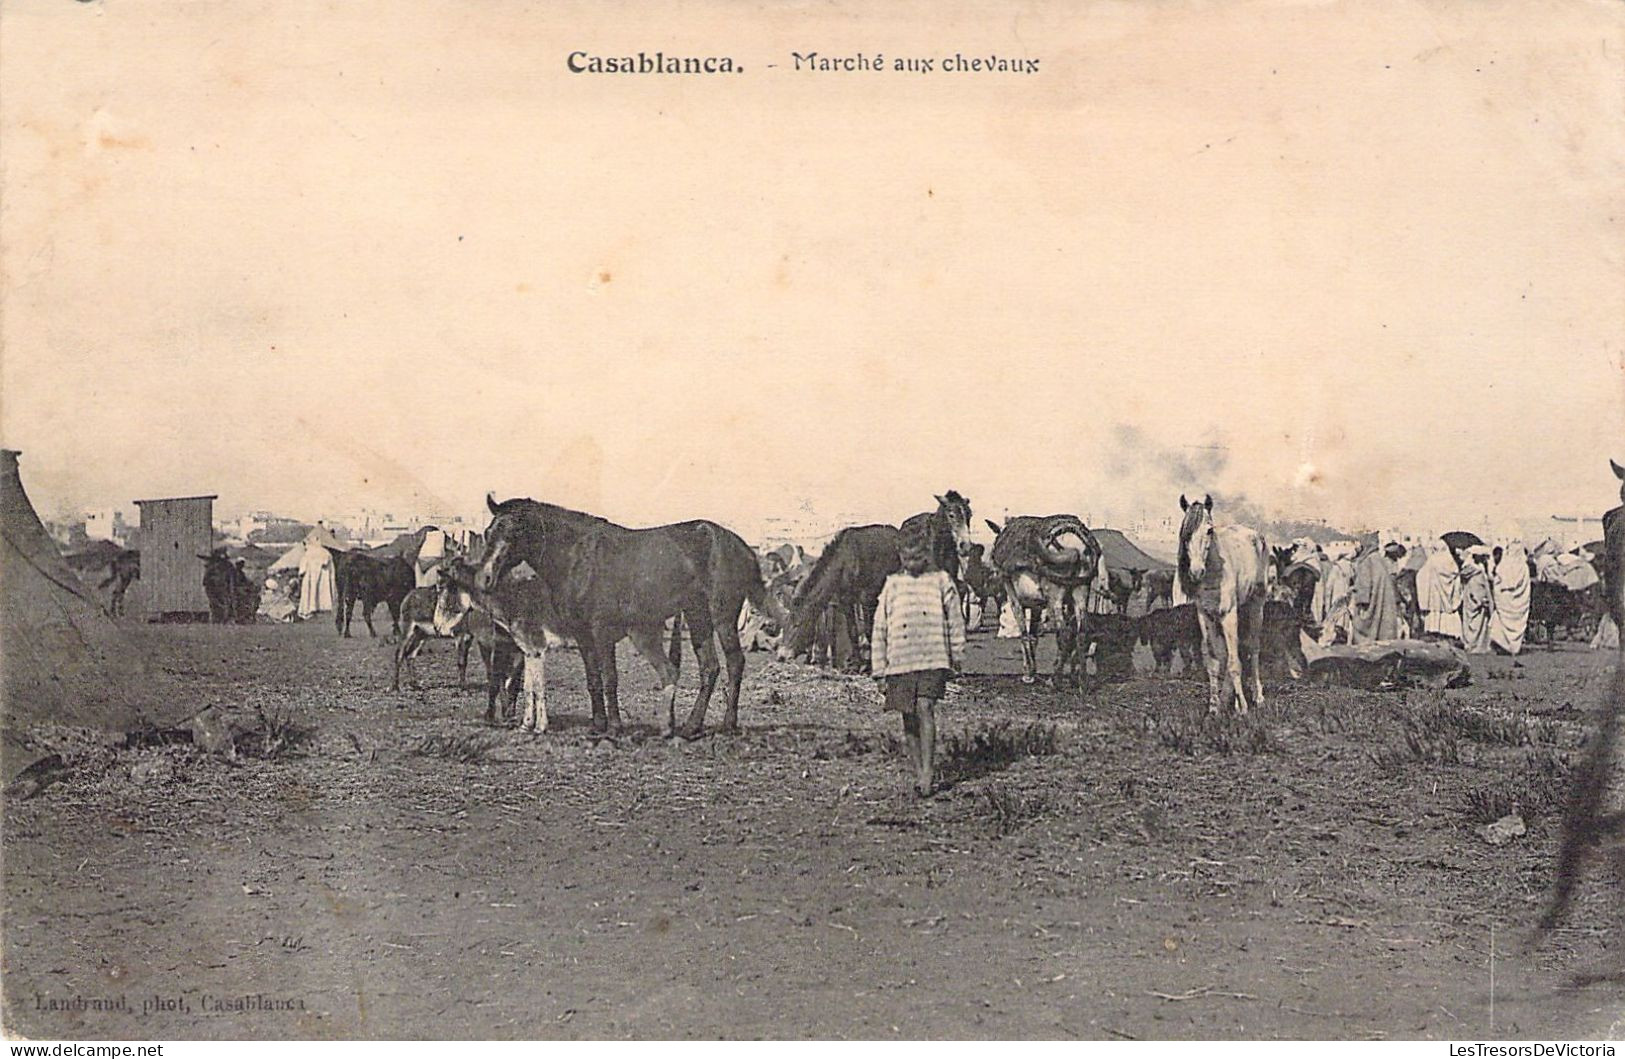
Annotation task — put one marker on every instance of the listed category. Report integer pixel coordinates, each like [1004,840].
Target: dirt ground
[1100,869]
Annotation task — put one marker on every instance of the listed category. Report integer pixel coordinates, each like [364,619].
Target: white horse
[1225,572]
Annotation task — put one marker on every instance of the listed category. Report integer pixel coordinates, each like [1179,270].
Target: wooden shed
[173,533]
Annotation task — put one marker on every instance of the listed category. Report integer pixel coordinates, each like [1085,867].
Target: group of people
[1475,594]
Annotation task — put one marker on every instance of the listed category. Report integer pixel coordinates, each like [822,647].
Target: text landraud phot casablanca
[659,62]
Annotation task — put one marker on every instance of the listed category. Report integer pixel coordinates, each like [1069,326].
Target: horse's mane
[1187,580]
[523,505]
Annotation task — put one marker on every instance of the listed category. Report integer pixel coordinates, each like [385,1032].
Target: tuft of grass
[1540,789]
[1219,735]
[1010,809]
[473,748]
[276,736]
[996,746]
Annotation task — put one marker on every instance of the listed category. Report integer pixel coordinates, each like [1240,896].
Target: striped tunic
[918,625]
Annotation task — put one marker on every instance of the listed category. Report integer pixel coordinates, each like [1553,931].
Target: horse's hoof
[1029,680]
[688,733]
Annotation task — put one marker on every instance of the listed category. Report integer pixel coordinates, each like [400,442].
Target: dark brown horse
[854,566]
[607,583]
[370,581]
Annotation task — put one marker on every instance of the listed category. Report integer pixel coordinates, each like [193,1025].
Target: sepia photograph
[828,519]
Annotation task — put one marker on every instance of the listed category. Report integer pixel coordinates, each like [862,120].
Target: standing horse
[1049,565]
[369,580]
[607,583]
[1225,570]
[854,566]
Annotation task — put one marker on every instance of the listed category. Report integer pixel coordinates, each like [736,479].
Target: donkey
[1225,570]
[522,624]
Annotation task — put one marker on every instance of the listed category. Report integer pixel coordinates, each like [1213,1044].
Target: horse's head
[1195,533]
[1619,472]
[513,535]
[955,509]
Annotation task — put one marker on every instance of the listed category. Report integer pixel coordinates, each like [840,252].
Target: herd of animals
[592,583]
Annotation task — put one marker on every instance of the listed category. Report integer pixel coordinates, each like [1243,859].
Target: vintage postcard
[927,520]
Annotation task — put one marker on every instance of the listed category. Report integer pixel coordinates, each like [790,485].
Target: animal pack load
[1050,564]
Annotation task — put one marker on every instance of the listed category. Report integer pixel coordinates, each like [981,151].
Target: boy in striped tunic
[917,644]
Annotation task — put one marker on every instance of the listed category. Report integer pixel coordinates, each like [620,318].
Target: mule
[371,581]
[1225,571]
[1049,565]
[605,582]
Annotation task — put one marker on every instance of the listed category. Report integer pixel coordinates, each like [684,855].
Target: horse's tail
[813,596]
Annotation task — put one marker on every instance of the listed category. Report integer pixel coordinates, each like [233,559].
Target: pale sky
[313,257]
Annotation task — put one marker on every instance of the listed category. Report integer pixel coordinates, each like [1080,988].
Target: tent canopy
[1123,554]
[62,659]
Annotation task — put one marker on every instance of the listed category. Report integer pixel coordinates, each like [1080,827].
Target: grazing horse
[1049,565]
[370,581]
[854,566]
[1225,571]
[606,582]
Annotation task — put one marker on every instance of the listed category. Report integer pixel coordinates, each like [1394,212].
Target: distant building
[107,524]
